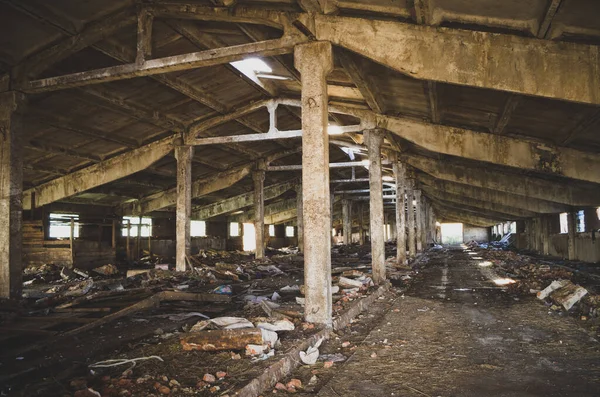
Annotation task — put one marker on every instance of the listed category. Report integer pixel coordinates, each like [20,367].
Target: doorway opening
[452,233]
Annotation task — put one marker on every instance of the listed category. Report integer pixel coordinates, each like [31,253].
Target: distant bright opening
[289,231]
[564,223]
[271,230]
[60,225]
[452,233]
[334,130]
[198,229]
[580,222]
[138,226]
[249,239]
[234,229]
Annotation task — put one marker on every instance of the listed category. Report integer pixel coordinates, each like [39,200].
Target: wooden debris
[229,339]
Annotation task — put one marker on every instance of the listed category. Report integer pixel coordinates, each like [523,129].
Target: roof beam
[475,210]
[544,29]
[170,64]
[497,149]
[478,59]
[361,80]
[456,199]
[275,213]
[492,196]
[582,126]
[98,174]
[91,34]
[522,185]
[452,216]
[460,212]
[241,201]
[434,105]
[509,107]
[200,187]
[63,123]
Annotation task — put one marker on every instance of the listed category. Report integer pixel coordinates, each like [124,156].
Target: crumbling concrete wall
[479,234]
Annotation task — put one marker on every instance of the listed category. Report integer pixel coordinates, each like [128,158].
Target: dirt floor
[456,333]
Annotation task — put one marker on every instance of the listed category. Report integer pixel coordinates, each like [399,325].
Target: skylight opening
[333,129]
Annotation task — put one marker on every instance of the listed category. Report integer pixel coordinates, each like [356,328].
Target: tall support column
[184,155]
[314,61]
[545,234]
[12,104]
[300,218]
[410,221]
[424,223]
[259,212]
[361,225]
[571,228]
[400,177]
[347,221]
[374,140]
[419,216]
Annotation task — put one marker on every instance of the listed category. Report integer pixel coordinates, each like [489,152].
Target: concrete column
[361,225]
[410,221]
[400,178]
[545,234]
[347,221]
[12,104]
[374,140]
[184,155]
[314,61]
[571,227]
[418,220]
[259,213]
[299,218]
[424,223]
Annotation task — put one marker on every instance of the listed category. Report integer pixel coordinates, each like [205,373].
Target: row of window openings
[60,227]
[236,231]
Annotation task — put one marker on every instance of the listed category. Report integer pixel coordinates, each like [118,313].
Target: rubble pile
[557,285]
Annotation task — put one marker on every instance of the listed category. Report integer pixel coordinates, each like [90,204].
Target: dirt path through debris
[457,333]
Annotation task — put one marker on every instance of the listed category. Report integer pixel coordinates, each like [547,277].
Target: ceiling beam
[200,187]
[509,107]
[362,81]
[477,59]
[170,64]
[544,29]
[522,185]
[501,216]
[98,174]
[582,126]
[92,33]
[457,199]
[497,149]
[492,196]
[241,201]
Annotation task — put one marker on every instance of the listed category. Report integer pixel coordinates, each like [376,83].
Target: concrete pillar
[314,61]
[259,213]
[418,220]
[299,217]
[361,225]
[545,234]
[374,140]
[347,221]
[12,104]
[184,155]
[410,221]
[571,227]
[400,178]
